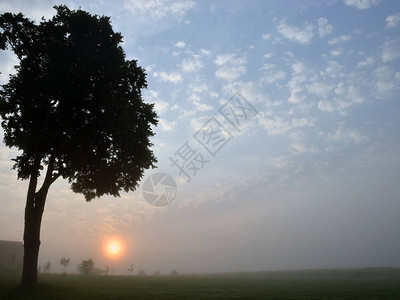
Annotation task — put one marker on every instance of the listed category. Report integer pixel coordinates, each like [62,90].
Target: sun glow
[113,248]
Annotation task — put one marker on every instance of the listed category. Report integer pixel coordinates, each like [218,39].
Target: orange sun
[113,248]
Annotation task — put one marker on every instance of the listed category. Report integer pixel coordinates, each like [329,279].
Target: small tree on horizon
[74,110]
[47,267]
[65,263]
[130,269]
[86,266]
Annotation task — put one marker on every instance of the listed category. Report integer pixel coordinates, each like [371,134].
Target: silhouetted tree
[74,110]
[65,263]
[47,267]
[142,272]
[130,269]
[86,266]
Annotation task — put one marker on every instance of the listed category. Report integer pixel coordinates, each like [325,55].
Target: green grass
[317,284]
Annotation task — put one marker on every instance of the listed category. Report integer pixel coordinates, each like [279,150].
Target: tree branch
[50,177]
[30,199]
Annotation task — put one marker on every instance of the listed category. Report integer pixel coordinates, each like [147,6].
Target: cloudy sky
[278,121]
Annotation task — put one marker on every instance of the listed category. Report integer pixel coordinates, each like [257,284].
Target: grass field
[313,284]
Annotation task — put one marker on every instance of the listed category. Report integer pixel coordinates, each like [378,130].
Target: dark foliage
[76,103]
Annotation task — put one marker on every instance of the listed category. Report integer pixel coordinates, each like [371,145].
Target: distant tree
[86,266]
[130,269]
[174,273]
[74,109]
[47,267]
[65,263]
[157,273]
[142,272]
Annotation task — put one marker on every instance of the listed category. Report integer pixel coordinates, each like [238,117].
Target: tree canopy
[86,266]
[75,104]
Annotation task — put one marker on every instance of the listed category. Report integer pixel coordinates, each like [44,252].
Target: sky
[278,126]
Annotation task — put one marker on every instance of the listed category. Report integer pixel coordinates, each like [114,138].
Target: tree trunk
[33,220]
[34,208]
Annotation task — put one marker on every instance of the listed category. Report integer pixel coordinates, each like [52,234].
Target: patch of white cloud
[7,62]
[392,20]
[34,9]
[161,106]
[160,9]
[274,75]
[366,62]
[355,94]
[199,88]
[298,148]
[196,101]
[340,39]
[336,52]
[281,162]
[180,44]
[230,73]
[198,123]
[267,66]
[349,136]
[326,105]
[321,89]
[202,106]
[302,35]
[152,96]
[324,28]
[391,50]
[266,36]
[251,91]
[205,52]
[334,69]
[167,125]
[298,67]
[276,125]
[268,55]
[386,80]
[214,94]
[192,64]
[223,58]
[361,4]
[231,67]
[340,88]
[347,93]
[303,122]
[173,77]
[341,104]
[296,82]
